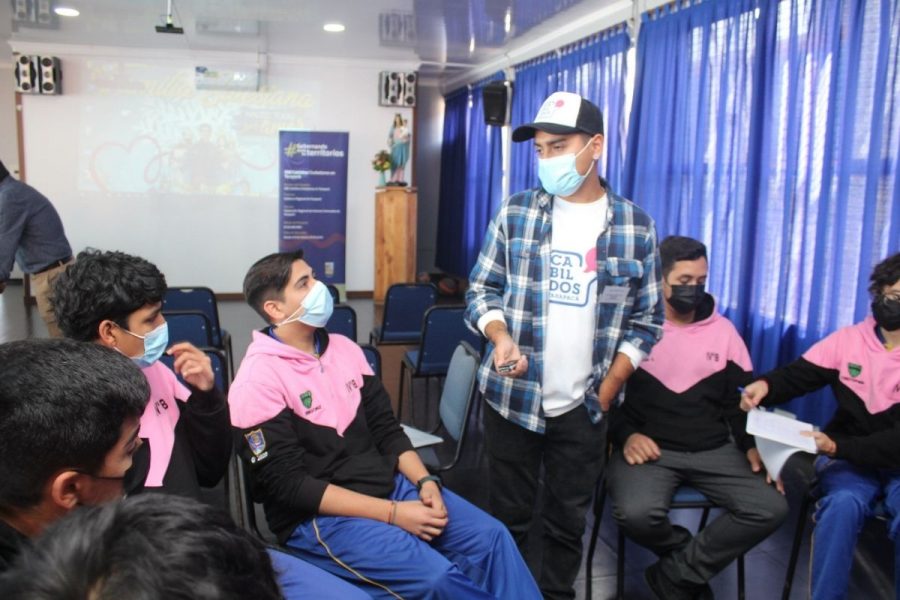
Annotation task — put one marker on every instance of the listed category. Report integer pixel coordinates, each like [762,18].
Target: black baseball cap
[563,112]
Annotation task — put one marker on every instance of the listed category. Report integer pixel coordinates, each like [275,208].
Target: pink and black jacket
[865,379]
[685,394]
[307,422]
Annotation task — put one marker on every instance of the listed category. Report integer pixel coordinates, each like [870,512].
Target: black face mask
[686,298]
[886,312]
[133,482]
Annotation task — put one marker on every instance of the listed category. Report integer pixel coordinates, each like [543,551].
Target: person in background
[566,290]
[681,424]
[32,235]
[858,462]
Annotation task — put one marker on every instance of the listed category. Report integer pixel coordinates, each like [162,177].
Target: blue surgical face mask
[155,344]
[559,175]
[316,308]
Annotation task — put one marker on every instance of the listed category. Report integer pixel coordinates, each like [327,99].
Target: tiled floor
[765,564]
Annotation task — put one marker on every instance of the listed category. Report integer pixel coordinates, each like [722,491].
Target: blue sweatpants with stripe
[850,494]
[300,580]
[475,557]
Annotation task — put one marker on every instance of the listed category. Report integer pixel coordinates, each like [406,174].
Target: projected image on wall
[146,129]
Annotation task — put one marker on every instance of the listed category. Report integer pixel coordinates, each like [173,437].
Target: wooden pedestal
[395,238]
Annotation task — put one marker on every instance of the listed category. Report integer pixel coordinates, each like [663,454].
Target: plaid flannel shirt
[511,275]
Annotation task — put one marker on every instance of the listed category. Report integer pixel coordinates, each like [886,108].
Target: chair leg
[620,566]
[795,547]
[703,519]
[400,393]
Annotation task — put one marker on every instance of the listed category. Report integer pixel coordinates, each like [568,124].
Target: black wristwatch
[428,478]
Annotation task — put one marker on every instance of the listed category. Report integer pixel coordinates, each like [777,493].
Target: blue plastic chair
[219,367]
[443,327]
[335,293]
[456,404]
[373,357]
[685,497]
[188,326]
[404,307]
[342,321]
[201,299]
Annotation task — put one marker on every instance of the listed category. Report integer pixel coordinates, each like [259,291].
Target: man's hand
[756,465]
[505,350]
[824,444]
[424,522]
[640,449]
[193,365]
[430,495]
[753,394]
[609,389]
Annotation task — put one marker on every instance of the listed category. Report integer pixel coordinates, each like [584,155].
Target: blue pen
[742,390]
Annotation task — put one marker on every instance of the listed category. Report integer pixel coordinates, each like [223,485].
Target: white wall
[121,154]
[9,151]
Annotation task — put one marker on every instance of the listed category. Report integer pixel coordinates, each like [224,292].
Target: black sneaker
[664,588]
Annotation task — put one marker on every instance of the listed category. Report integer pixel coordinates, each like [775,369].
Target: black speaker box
[51,75]
[27,74]
[497,96]
[396,88]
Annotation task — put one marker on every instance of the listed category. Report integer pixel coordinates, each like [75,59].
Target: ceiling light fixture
[334,27]
[66,11]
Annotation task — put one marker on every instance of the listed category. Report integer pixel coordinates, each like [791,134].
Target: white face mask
[559,175]
[316,308]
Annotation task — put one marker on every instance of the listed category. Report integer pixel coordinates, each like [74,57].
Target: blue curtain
[770,130]
[472,182]
[453,179]
[594,68]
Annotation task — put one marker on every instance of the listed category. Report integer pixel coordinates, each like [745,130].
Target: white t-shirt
[571,314]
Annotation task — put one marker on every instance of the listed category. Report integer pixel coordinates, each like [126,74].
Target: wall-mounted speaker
[20,10]
[396,88]
[51,75]
[27,74]
[497,96]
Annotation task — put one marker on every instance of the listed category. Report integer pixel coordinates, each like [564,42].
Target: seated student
[681,408]
[69,419]
[859,450]
[115,299]
[143,548]
[340,481]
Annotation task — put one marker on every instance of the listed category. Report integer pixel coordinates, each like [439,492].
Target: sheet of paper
[774,455]
[419,438]
[781,429]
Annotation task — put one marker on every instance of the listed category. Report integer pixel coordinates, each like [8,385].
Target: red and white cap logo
[560,108]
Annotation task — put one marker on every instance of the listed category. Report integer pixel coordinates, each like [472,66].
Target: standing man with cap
[31,233]
[567,291]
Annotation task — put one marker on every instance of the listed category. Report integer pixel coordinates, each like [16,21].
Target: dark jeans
[572,451]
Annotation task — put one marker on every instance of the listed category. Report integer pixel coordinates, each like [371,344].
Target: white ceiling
[444,38]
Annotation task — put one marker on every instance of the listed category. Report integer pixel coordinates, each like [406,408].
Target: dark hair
[267,279]
[62,405]
[100,286]
[678,247]
[885,273]
[144,548]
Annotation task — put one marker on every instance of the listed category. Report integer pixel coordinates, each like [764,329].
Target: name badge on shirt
[614,294]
